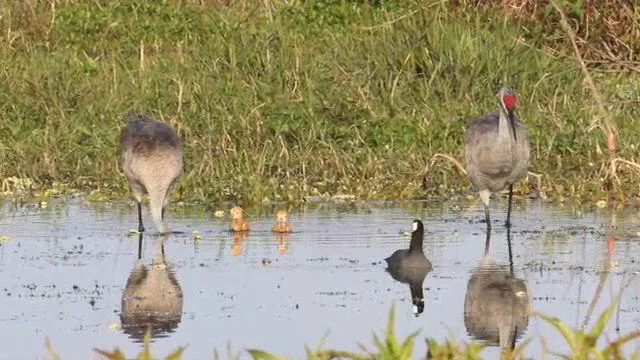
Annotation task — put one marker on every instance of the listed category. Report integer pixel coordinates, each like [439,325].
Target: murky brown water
[66,269]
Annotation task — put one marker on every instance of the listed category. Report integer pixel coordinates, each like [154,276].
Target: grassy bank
[283,99]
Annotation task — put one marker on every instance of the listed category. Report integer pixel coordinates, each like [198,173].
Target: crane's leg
[510,251]
[484,196]
[508,223]
[487,243]
[140,226]
[138,191]
[139,245]
[486,217]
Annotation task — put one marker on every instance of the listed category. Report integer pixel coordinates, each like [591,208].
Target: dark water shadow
[496,304]
[162,235]
[152,299]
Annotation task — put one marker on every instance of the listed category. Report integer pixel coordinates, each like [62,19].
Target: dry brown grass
[607,31]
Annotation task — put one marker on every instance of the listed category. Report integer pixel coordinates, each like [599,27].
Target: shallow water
[64,271]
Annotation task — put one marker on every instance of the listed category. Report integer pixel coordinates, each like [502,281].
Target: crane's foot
[140,228]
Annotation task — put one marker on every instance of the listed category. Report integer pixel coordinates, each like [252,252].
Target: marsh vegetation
[280,100]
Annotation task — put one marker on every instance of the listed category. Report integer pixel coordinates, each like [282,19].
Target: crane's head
[507,99]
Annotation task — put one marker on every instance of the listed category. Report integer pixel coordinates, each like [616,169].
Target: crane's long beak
[510,115]
[512,121]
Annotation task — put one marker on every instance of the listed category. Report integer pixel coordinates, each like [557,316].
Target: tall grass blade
[175,354]
[567,333]
[263,355]
[49,347]
[602,321]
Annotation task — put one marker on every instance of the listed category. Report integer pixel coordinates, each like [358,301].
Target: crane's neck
[507,126]
[158,257]
[505,334]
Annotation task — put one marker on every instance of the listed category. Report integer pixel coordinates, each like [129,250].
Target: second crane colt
[496,151]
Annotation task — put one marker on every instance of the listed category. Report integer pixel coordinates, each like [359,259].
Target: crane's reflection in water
[496,305]
[152,298]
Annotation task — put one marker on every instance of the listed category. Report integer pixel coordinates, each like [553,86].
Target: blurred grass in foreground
[583,345]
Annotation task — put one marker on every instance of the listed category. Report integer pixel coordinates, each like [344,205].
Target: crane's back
[493,162]
[142,136]
[152,154]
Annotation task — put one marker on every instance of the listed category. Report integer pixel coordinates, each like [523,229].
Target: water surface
[65,269]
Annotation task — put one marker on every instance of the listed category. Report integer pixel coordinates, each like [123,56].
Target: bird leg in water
[510,252]
[486,217]
[487,243]
[484,196]
[140,226]
[508,223]
[139,246]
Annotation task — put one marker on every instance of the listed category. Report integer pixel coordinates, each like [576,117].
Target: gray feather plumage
[492,164]
[152,162]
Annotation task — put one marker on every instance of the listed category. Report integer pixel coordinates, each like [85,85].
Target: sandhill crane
[411,266]
[152,163]
[496,151]
[496,304]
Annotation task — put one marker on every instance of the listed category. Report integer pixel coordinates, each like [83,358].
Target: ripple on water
[70,272]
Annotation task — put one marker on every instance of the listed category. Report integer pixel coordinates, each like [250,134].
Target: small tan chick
[238,223]
[282,222]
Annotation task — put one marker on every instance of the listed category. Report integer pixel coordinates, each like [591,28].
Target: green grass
[283,99]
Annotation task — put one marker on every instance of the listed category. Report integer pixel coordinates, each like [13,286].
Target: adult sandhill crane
[496,151]
[152,163]
[496,304]
[411,266]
